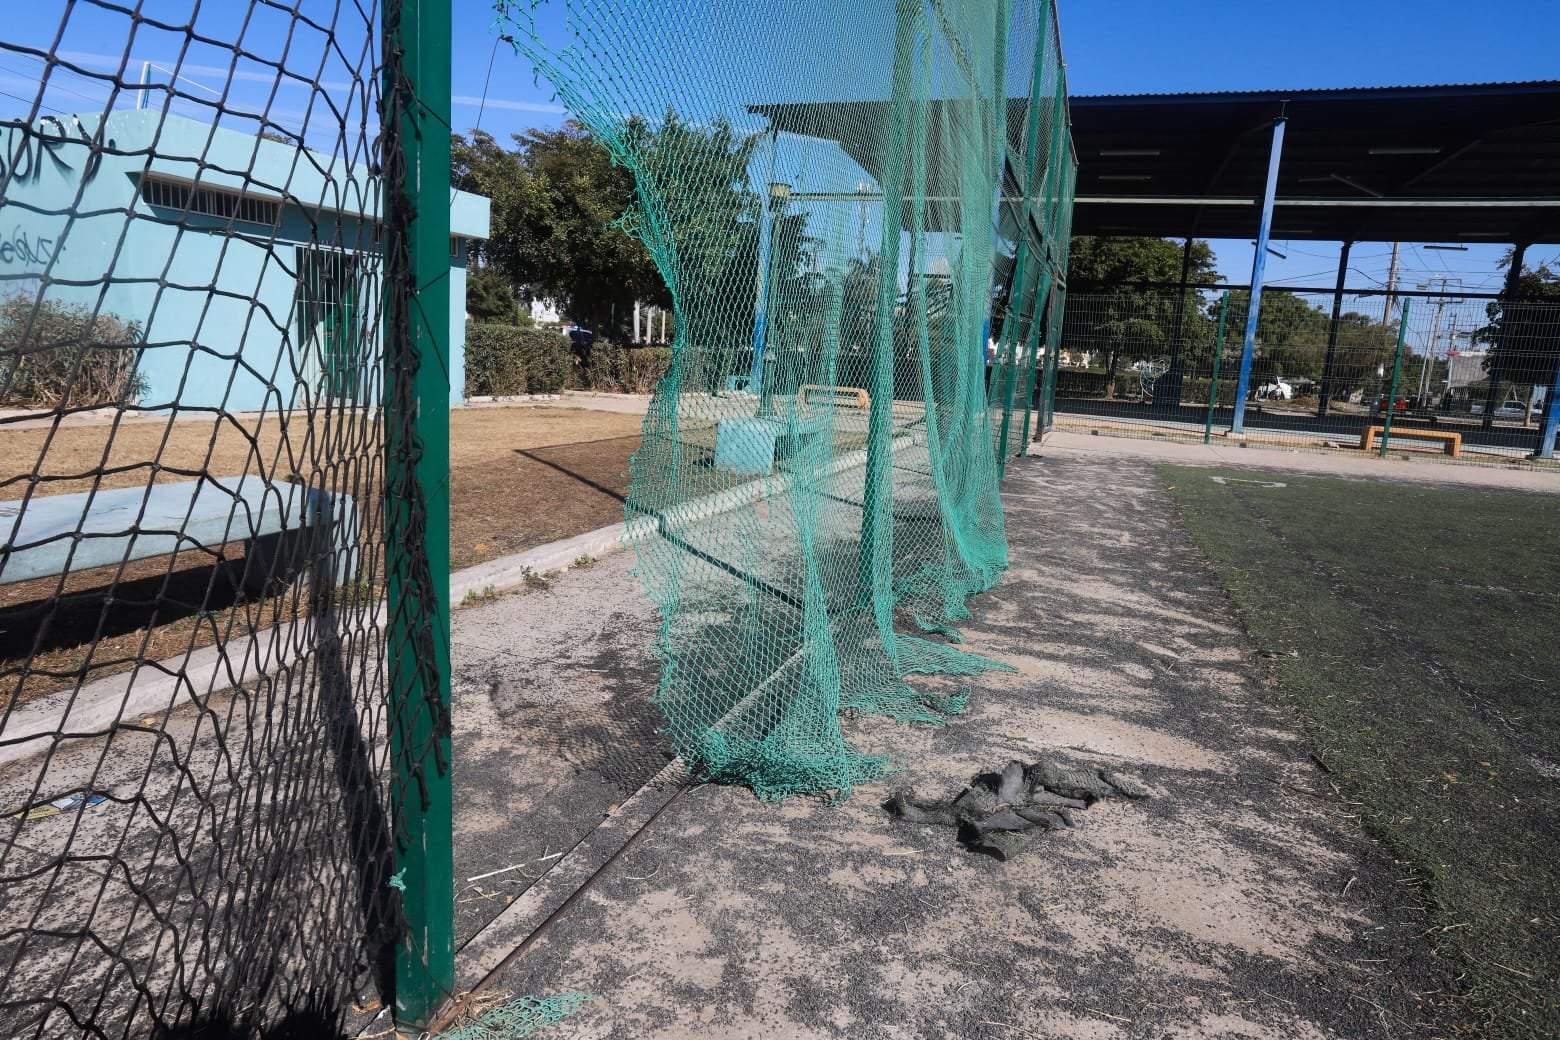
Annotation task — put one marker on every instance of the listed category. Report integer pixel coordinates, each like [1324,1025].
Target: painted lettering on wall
[29,150]
[20,248]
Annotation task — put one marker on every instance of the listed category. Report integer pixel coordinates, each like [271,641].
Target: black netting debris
[1001,814]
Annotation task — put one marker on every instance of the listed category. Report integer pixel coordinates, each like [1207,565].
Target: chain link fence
[1151,363]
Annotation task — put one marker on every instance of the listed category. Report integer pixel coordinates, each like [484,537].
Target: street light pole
[762,365]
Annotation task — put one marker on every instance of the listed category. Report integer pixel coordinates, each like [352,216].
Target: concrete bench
[283,523]
[850,396]
[1451,440]
[752,445]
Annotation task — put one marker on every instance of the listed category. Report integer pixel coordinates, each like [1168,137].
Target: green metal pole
[1397,372]
[1054,178]
[876,549]
[1053,363]
[1030,355]
[417,37]
[1026,179]
[1010,327]
[1218,356]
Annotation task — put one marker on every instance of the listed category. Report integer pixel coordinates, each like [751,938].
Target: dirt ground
[1242,901]
[520,477]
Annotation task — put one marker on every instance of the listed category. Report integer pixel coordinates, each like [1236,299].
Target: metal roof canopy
[1458,163]
[1455,163]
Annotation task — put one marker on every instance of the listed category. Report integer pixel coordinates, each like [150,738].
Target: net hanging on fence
[835,195]
[195,746]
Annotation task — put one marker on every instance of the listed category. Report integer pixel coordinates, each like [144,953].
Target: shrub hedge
[502,360]
[623,370]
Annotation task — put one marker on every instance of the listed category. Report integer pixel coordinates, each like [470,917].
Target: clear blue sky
[1111,46]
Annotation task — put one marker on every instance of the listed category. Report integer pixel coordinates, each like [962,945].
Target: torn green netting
[860,213]
[517,1018]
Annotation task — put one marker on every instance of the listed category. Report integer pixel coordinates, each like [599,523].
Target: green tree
[1291,340]
[556,199]
[1116,264]
[1523,334]
[490,300]
[1117,316]
[1365,344]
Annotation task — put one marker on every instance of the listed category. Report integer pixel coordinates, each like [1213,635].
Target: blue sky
[1111,46]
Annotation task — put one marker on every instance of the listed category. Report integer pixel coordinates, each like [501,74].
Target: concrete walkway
[1241,901]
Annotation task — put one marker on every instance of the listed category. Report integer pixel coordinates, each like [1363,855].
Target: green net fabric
[859,212]
[517,1017]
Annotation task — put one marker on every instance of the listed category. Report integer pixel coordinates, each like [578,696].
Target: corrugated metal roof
[1523,86]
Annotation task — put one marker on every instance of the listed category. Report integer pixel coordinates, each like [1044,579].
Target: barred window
[229,205]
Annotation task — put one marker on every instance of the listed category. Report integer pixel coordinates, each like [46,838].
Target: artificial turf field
[1415,630]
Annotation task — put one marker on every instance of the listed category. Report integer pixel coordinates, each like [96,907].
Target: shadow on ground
[1242,901]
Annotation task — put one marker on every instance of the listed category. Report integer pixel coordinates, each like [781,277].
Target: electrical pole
[1435,336]
[1392,269]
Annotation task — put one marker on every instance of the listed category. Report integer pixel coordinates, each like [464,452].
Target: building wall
[216,300]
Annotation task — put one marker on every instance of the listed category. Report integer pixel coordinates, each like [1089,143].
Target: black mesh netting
[203,280]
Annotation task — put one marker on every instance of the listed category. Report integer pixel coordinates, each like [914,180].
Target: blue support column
[1258,265]
[1546,432]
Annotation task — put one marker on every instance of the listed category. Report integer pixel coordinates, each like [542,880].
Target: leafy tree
[1291,340]
[490,300]
[705,232]
[1126,319]
[1523,334]
[1365,344]
[1117,264]
[556,199]
[565,221]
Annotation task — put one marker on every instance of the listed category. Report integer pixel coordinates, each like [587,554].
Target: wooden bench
[846,395]
[1451,440]
[47,535]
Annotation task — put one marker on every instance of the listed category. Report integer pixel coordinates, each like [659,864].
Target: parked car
[1275,390]
[1399,407]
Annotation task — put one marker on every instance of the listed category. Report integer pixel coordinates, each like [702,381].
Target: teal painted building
[250,264]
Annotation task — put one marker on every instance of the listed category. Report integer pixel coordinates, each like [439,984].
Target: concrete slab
[1242,901]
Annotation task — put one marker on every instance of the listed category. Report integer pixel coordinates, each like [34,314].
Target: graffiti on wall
[29,149]
[52,144]
[22,249]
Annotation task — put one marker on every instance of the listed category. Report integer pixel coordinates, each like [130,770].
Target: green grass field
[1417,633]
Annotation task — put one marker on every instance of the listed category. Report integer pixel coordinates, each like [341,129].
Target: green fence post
[875,552]
[1032,357]
[1218,356]
[1397,372]
[1026,181]
[1053,363]
[417,36]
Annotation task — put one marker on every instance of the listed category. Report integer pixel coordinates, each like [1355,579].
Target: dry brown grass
[519,477]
